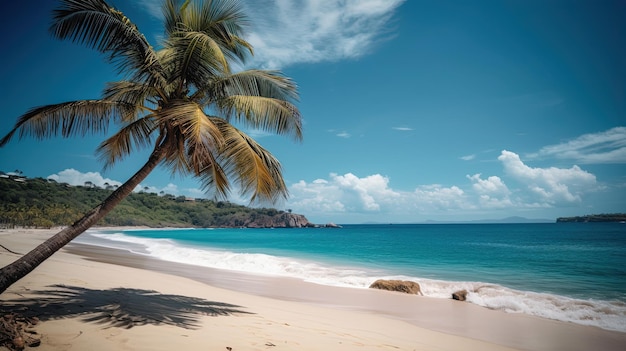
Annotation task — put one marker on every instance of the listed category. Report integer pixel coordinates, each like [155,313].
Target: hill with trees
[604,217]
[37,202]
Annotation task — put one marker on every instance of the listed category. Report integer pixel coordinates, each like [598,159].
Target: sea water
[573,272]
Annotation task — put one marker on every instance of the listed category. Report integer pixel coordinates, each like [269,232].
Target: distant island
[605,217]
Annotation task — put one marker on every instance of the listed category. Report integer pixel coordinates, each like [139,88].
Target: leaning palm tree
[182,101]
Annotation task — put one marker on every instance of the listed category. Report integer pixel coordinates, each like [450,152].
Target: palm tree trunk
[27,263]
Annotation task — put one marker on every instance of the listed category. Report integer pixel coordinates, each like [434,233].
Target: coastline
[282,312]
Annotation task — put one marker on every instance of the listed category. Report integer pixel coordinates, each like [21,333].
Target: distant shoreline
[611,217]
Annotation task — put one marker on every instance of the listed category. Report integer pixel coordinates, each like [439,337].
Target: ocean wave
[610,315]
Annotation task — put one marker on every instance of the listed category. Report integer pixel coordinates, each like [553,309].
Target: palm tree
[181,100]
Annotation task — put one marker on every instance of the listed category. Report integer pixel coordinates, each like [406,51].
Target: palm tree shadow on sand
[120,307]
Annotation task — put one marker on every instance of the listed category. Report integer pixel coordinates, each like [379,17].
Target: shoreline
[391,318]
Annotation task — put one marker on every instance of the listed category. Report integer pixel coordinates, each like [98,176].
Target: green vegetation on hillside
[38,202]
[605,217]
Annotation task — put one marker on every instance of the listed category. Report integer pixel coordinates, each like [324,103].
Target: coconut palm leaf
[195,57]
[257,172]
[98,25]
[272,115]
[224,21]
[271,84]
[135,135]
[68,119]
[197,136]
[136,94]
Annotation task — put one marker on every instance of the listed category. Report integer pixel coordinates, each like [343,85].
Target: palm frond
[134,135]
[196,58]
[133,94]
[215,179]
[98,25]
[227,21]
[272,115]
[203,144]
[222,20]
[271,84]
[68,119]
[258,173]
[173,11]
[199,139]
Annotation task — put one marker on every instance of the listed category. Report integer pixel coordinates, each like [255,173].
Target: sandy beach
[90,298]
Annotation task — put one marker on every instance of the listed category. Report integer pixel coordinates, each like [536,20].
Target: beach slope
[87,304]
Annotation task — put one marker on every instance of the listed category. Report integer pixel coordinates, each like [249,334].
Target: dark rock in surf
[460,295]
[404,286]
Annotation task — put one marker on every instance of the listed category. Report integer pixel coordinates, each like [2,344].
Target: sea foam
[610,315]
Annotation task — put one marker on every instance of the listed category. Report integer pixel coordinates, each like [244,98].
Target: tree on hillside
[181,101]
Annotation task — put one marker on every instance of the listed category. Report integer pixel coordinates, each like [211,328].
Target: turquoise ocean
[574,272]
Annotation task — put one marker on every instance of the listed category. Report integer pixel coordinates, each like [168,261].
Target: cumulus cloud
[552,185]
[74,177]
[491,185]
[308,31]
[604,147]
[370,190]
[372,194]
[491,192]
[428,197]
[520,188]
[342,193]
[468,157]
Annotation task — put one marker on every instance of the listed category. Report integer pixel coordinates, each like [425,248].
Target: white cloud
[437,197]
[468,157]
[343,135]
[343,193]
[551,185]
[285,32]
[349,194]
[74,177]
[403,129]
[491,185]
[369,190]
[309,31]
[604,147]
[372,197]
[492,192]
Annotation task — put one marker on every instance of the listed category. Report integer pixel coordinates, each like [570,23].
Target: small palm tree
[180,100]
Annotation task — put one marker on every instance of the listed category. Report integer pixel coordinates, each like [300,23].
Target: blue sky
[413,110]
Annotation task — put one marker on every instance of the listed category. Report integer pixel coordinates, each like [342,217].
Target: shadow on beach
[120,307]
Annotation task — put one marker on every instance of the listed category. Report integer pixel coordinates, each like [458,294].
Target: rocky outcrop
[280,220]
[405,286]
[460,295]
